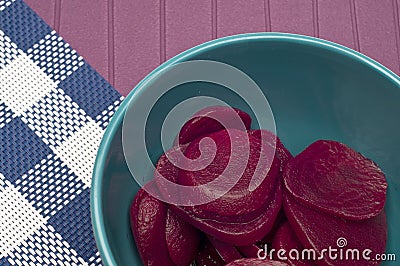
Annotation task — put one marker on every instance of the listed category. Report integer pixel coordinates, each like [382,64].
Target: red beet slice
[204,122]
[159,233]
[280,219]
[148,216]
[226,251]
[208,256]
[166,171]
[182,240]
[318,230]
[239,200]
[286,239]
[238,234]
[283,154]
[255,262]
[250,251]
[333,178]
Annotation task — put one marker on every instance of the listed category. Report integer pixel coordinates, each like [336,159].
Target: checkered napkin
[54,109]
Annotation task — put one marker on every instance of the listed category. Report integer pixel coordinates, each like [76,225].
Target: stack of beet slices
[327,196]
[334,197]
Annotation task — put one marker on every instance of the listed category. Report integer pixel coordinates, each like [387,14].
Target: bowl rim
[98,171]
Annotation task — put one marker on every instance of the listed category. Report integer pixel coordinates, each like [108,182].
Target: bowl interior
[316,90]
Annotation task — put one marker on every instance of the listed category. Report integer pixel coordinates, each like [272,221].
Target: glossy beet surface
[206,121]
[167,171]
[286,239]
[249,251]
[335,179]
[238,217]
[183,240]
[282,153]
[280,219]
[319,230]
[227,251]
[148,217]
[208,255]
[161,236]
[256,262]
[239,200]
[245,233]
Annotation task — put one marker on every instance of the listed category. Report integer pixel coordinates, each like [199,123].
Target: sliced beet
[250,251]
[239,200]
[208,256]
[148,217]
[286,239]
[283,154]
[256,262]
[166,171]
[243,218]
[161,236]
[205,122]
[333,178]
[318,230]
[182,240]
[226,251]
[238,234]
[280,219]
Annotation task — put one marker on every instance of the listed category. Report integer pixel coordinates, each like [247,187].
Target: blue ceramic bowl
[316,89]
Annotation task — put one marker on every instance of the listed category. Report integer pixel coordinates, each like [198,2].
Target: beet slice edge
[333,178]
[148,217]
[202,122]
[318,230]
[182,239]
[255,262]
[286,239]
[238,234]
[239,200]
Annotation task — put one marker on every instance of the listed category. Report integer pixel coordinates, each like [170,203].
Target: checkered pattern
[54,109]
[55,56]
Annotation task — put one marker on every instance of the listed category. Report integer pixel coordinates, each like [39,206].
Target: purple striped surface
[292,16]
[187,27]
[125,39]
[136,34]
[335,22]
[232,18]
[81,25]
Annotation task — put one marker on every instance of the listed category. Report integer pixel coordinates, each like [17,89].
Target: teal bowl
[316,89]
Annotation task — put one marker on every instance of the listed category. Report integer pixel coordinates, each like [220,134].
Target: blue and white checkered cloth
[54,109]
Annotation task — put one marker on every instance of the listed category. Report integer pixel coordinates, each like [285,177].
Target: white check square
[55,57]
[22,83]
[55,117]
[19,219]
[46,247]
[79,151]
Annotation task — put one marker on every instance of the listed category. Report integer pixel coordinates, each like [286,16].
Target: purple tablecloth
[125,39]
